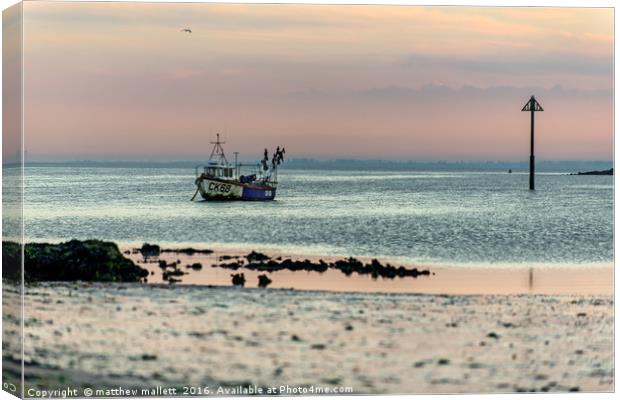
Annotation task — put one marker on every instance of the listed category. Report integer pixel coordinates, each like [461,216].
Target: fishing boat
[221,180]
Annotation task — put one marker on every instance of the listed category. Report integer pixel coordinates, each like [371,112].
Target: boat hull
[258,193]
[228,190]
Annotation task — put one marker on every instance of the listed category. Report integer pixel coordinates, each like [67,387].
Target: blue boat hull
[258,193]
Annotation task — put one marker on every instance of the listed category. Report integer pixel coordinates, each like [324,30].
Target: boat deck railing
[241,170]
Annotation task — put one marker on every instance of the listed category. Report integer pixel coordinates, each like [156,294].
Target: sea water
[423,217]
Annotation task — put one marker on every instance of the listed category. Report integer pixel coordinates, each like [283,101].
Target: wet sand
[594,279]
[141,336]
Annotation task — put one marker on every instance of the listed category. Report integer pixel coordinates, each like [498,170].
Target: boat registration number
[219,187]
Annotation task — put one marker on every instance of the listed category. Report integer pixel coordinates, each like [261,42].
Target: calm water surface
[422,217]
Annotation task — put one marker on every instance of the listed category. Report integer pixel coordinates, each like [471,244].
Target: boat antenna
[218,151]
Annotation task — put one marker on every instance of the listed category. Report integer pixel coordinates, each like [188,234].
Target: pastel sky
[122,81]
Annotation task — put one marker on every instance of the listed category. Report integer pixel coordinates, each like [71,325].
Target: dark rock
[604,172]
[238,279]
[261,262]
[173,273]
[195,266]
[11,261]
[88,260]
[263,281]
[295,338]
[443,361]
[187,250]
[493,335]
[348,327]
[318,346]
[149,357]
[150,250]
[255,257]
[233,265]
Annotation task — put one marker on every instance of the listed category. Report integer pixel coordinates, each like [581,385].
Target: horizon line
[311,159]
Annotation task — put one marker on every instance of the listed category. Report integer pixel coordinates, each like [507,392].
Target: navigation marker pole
[532,106]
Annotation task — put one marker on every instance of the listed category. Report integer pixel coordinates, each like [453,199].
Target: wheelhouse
[220,171]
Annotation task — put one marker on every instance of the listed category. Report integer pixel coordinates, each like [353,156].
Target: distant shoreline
[566,166]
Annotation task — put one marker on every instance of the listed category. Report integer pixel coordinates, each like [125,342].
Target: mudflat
[106,335]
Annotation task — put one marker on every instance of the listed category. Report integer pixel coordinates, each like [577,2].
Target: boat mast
[236,163]
[218,151]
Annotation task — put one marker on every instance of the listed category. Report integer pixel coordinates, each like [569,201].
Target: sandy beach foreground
[146,336]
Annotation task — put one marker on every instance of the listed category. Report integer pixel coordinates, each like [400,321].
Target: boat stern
[252,193]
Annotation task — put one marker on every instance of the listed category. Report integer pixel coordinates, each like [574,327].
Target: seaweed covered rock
[256,257]
[150,250]
[195,266]
[190,251]
[88,260]
[348,266]
[238,279]
[11,261]
[264,281]
[167,274]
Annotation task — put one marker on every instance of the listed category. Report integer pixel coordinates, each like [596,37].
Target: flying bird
[186,30]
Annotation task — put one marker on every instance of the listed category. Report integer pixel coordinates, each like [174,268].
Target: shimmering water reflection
[422,217]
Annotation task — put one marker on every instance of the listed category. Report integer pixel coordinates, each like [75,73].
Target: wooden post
[532,106]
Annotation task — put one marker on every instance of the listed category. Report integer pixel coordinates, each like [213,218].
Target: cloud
[518,63]
[438,91]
